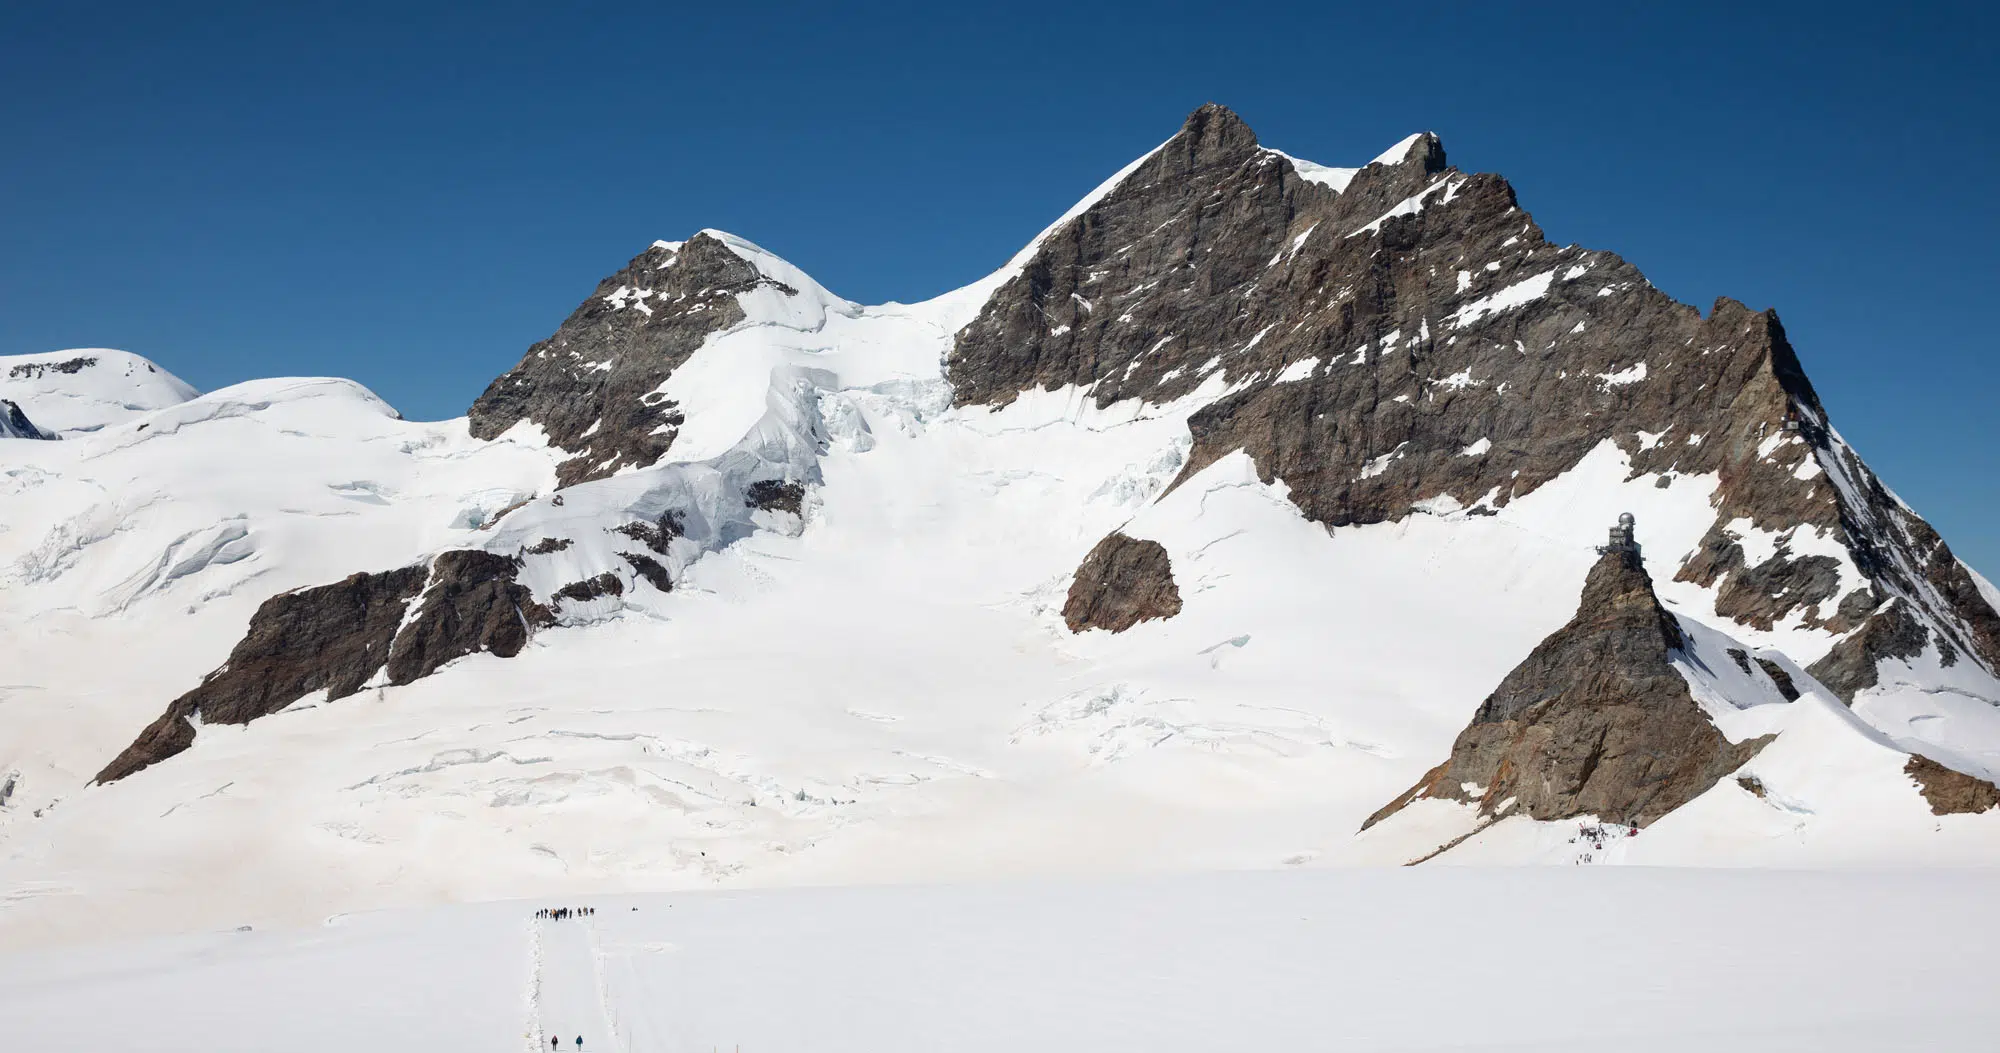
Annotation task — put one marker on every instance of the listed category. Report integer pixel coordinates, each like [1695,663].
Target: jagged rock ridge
[1596,721]
[1412,338]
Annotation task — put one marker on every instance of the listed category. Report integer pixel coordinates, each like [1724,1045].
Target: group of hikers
[556,1043]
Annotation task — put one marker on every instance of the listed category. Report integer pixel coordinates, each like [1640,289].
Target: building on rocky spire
[1621,541]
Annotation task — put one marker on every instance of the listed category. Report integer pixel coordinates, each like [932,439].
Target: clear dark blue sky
[410,194]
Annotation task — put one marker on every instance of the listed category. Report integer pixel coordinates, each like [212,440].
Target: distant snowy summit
[84,389]
[1227,499]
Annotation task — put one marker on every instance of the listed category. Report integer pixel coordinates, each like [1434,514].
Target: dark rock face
[335,638]
[776,495]
[14,423]
[592,387]
[331,638]
[1951,792]
[36,370]
[471,604]
[655,536]
[1894,633]
[649,569]
[1908,562]
[1431,342]
[1122,582]
[605,584]
[1594,722]
[1779,679]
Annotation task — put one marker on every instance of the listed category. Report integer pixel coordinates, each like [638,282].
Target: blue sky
[411,194]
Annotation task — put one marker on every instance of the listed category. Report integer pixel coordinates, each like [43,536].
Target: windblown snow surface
[881,691]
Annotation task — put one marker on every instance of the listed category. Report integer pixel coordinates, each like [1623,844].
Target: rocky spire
[1596,721]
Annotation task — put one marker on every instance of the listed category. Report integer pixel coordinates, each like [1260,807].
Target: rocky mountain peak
[1595,721]
[1423,150]
[1404,337]
[594,386]
[1214,134]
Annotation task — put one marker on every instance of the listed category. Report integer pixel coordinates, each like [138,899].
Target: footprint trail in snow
[569,1000]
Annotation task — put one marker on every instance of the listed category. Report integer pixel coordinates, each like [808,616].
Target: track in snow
[568,997]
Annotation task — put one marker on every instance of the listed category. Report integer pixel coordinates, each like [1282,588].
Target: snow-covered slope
[776,588]
[84,389]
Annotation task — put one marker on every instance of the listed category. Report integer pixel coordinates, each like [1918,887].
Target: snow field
[1563,959]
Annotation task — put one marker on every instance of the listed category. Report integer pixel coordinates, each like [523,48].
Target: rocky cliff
[1595,721]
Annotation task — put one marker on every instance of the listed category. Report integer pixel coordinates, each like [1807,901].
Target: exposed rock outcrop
[776,495]
[605,584]
[593,387]
[1948,791]
[1596,721]
[1122,582]
[470,604]
[337,638]
[1895,633]
[648,569]
[332,638]
[38,370]
[1411,335]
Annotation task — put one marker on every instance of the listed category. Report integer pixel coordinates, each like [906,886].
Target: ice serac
[337,638]
[1122,582]
[594,386]
[1412,339]
[1596,721]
